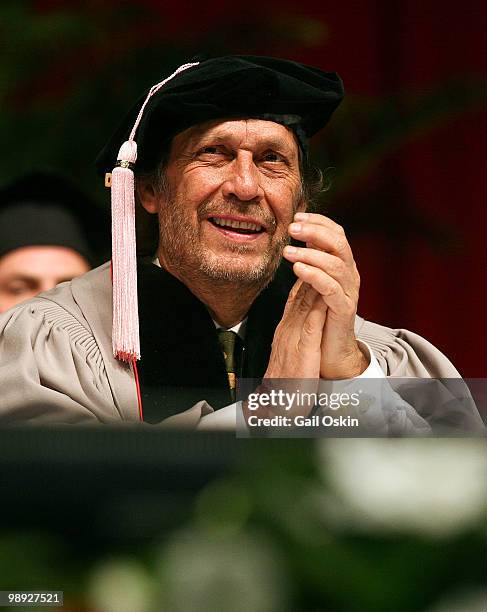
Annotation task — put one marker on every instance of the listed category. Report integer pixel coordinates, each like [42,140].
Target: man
[219,152]
[27,271]
[43,241]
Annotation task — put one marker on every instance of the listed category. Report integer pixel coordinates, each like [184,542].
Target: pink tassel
[125,326]
[125,338]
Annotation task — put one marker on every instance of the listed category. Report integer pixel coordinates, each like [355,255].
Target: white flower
[429,486]
[206,571]
[469,601]
[120,585]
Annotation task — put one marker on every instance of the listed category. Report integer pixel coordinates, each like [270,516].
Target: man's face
[232,190]
[27,271]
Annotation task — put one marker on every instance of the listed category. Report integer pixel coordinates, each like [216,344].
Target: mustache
[254,210]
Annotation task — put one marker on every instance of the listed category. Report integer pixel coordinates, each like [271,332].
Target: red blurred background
[407,147]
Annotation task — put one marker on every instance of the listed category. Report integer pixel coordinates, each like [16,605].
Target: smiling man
[232,190]
[244,282]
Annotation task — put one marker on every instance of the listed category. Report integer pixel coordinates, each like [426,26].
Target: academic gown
[57,366]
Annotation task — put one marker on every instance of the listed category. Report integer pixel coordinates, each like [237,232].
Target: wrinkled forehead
[238,132]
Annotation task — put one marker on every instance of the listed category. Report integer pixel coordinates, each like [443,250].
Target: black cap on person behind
[46,209]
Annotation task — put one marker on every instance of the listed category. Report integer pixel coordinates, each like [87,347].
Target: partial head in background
[49,233]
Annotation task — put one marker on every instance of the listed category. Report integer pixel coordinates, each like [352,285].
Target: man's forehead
[257,131]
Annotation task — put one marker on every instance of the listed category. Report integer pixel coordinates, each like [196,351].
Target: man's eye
[209,151]
[18,289]
[272,157]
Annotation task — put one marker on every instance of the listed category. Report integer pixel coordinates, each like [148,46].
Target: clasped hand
[315,337]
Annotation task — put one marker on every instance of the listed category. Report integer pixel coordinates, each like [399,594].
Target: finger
[298,286]
[323,238]
[312,329]
[330,290]
[318,219]
[299,303]
[296,295]
[335,267]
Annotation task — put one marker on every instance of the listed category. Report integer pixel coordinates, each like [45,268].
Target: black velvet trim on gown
[182,361]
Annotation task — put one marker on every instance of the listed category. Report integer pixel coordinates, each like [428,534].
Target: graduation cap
[46,209]
[298,96]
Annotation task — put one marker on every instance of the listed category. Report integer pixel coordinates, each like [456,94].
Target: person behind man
[44,239]
[220,155]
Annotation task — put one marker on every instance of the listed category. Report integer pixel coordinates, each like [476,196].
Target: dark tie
[230,343]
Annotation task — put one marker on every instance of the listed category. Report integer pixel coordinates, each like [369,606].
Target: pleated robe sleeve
[425,378]
[403,353]
[51,369]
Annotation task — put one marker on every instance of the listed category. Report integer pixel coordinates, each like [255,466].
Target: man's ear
[147,196]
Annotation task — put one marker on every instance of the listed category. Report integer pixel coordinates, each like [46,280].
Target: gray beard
[262,273]
[200,261]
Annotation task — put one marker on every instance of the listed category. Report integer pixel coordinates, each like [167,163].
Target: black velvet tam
[45,209]
[299,96]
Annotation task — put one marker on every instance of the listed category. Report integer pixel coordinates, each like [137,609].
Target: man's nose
[243,181]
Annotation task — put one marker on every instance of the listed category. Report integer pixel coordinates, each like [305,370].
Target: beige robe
[56,363]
